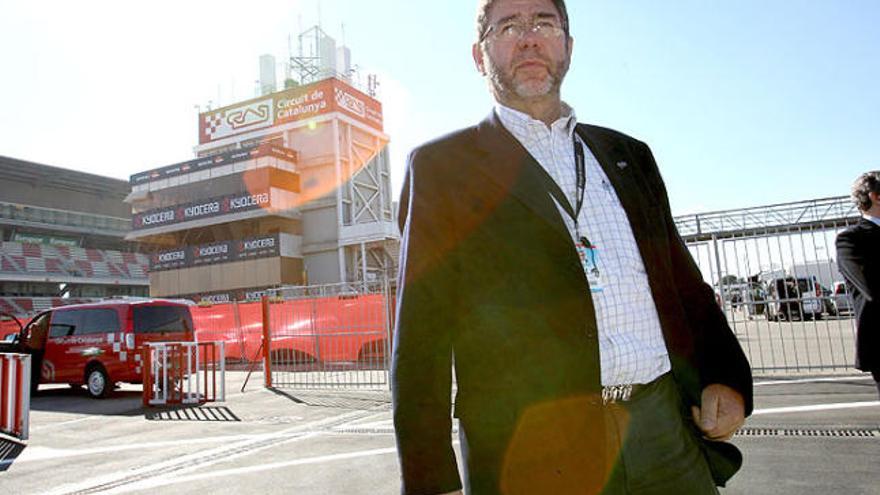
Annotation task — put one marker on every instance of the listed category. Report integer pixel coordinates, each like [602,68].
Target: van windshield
[157,319]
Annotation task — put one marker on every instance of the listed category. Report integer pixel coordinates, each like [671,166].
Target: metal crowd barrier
[329,336]
[15,400]
[184,373]
[783,330]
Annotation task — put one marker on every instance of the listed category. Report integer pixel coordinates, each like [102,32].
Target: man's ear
[477,53]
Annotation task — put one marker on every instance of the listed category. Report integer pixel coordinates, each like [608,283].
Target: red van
[100,344]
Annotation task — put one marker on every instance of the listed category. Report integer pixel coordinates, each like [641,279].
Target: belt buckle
[615,393]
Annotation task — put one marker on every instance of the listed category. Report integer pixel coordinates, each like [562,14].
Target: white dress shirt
[631,345]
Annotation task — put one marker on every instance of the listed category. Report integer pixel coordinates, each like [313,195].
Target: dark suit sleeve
[719,356]
[426,317]
[858,266]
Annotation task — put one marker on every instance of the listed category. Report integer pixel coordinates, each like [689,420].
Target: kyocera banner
[209,162]
[170,260]
[210,254]
[213,207]
[291,105]
[242,295]
[265,246]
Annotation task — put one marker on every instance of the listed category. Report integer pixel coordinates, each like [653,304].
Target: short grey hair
[866,183]
[484,6]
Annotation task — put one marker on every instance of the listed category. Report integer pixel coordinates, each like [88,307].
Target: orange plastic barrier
[330,329]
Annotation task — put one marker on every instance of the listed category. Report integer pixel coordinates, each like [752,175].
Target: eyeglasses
[511,31]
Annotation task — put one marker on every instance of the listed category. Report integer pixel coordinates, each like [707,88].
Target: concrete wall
[323,267]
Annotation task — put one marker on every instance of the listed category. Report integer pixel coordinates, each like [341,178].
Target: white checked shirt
[631,346]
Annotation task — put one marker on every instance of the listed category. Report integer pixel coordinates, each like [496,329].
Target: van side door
[59,358]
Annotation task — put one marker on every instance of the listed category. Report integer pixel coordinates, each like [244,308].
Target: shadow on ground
[9,451]
[198,413]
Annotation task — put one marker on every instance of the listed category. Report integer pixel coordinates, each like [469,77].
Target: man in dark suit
[858,258]
[541,258]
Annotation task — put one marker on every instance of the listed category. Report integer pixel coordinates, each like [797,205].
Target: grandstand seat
[78,253]
[53,265]
[25,303]
[11,248]
[85,268]
[94,255]
[41,303]
[35,265]
[6,265]
[19,261]
[114,270]
[72,261]
[101,269]
[7,307]
[31,250]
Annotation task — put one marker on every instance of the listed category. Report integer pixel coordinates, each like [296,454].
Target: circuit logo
[237,119]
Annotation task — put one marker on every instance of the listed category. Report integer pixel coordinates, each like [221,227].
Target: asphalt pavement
[808,436]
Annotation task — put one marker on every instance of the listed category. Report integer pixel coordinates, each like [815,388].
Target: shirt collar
[514,121]
[870,218]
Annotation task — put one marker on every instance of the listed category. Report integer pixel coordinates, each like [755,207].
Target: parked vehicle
[842,298]
[794,298]
[99,344]
[753,299]
[828,304]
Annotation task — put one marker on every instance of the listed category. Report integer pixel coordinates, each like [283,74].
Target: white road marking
[38,453]
[816,380]
[213,475]
[203,458]
[815,407]
[63,423]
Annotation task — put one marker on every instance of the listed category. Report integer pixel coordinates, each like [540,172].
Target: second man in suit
[858,257]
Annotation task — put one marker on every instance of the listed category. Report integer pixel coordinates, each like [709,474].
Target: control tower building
[289,188]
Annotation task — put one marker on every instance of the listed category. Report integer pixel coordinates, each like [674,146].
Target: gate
[15,400]
[184,373]
[328,336]
[774,273]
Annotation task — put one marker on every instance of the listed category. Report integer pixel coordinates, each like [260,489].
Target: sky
[744,103]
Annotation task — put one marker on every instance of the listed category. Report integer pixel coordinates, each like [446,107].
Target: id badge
[589,255]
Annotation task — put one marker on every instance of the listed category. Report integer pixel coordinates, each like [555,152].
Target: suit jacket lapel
[510,166]
[617,164]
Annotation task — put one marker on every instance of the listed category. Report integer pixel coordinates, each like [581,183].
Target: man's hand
[723,412]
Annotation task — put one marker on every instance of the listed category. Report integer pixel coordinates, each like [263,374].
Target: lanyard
[581,172]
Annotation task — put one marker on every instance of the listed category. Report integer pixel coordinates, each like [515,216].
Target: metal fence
[777,281]
[330,336]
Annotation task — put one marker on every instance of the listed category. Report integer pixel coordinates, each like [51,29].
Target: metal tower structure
[308,64]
